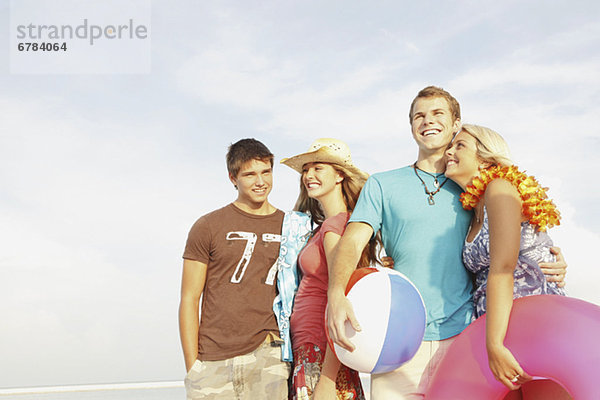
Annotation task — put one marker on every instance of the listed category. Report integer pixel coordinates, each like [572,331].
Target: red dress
[307,322]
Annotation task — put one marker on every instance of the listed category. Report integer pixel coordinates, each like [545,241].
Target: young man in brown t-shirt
[234,351]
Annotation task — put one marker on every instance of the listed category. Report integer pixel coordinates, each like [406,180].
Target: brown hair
[351,187]
[246,150]
[434,91]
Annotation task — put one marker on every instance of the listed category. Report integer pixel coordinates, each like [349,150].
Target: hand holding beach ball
[392,316]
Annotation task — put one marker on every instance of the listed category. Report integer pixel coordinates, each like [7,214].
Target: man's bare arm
[346,258]
[192,285]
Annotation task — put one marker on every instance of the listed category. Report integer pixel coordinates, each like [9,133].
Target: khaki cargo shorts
[257,375]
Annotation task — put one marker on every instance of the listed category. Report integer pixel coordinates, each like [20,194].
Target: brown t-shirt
[240,250]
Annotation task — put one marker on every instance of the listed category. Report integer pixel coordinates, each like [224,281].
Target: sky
[102,175]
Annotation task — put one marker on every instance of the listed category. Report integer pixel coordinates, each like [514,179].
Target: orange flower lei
[537,207]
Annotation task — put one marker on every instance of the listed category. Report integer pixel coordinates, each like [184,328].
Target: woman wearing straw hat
[329,187]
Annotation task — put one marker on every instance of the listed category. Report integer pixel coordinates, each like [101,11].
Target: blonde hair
[491,147]
[351,187]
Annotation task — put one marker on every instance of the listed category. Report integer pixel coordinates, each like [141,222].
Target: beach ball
[391,313]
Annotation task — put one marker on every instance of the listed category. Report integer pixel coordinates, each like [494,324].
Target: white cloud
[93,225]
[527,74]
[578,244]
[92,320]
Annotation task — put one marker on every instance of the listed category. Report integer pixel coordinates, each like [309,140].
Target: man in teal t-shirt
[425,242]
[423,227]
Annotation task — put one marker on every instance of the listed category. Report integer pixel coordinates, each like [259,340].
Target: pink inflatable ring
[553,337]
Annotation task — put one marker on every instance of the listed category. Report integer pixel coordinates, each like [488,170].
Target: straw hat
[326,150]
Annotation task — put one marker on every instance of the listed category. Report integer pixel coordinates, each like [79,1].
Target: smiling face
[254,182]
[320,180]
[462,161]
[433,125]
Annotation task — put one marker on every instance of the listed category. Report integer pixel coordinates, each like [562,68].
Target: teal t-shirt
[425,242]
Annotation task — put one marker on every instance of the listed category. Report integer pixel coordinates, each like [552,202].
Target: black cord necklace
[436,183]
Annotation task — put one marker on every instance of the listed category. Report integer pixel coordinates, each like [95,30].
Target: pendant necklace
[436,183]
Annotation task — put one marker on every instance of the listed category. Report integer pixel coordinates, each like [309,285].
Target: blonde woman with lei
[506,241]
[329,188]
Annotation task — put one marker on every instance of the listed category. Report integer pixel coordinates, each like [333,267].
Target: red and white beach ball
[391,313]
